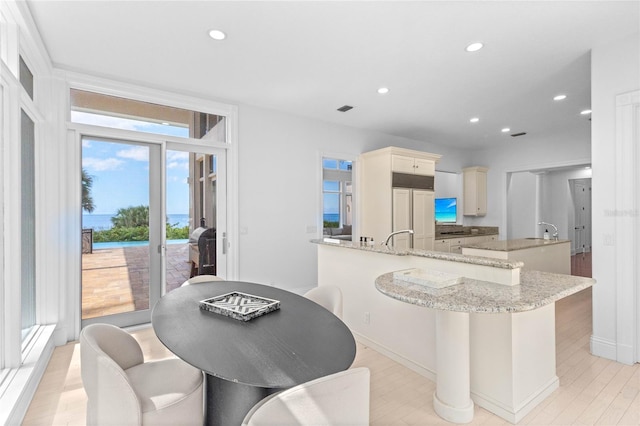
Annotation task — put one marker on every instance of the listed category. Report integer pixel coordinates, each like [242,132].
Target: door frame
[70,193]
[76,132]
[222,229]
[587,234]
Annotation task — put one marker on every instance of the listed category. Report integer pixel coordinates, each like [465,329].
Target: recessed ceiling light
[559,97]
[383,90]
[585,112]
[474,47]
[474,120]
[505,130]
[217,35]
[164,123]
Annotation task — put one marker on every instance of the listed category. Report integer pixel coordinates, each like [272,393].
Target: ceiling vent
[345,108]
[515,135]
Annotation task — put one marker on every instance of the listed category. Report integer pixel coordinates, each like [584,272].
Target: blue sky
[121,171]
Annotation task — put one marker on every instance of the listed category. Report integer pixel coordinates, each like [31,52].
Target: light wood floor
[592,390]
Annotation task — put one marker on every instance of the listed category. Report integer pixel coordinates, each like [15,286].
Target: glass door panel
[121,230]
[195,194]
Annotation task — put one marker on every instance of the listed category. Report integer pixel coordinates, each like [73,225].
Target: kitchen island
[510,311]
[536,253]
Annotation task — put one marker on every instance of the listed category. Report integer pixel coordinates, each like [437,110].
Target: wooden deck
[117,280]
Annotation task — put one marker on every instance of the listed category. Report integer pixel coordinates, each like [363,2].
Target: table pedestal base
[227,403]
[452,400]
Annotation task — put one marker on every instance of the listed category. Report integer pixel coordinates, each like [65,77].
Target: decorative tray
[433,279]
[240,306]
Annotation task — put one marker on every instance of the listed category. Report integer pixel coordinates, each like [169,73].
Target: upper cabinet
[475,191]
[412,165]
[396,192]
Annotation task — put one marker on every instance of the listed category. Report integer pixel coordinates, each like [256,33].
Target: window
[337,197]
[26,78]
[120,113]
[27,229]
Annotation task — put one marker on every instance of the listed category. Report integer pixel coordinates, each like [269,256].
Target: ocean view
[100,222]
[331,217]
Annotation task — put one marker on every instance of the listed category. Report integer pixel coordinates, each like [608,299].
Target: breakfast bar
[495,316]
[539,254]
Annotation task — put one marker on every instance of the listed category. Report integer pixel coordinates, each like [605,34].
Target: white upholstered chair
[122,389]
[328,296]
[338,399]
[201,279]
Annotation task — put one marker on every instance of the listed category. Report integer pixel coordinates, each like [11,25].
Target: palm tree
[131,217]
[87,199]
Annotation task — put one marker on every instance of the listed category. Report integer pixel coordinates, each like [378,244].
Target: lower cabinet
[454,245]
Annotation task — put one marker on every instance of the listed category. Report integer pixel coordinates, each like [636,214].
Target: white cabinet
[441,245]
[412,165]
[475,191]
[454,245]
[413,209]
[386,207]
[424,225]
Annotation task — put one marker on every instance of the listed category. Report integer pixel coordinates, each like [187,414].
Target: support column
[452,399]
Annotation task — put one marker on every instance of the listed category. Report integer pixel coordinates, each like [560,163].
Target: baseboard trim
[517,413]
[603,348]
[420,369]
[625,354]
[20,383]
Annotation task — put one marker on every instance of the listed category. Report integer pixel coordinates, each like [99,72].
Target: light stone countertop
[536,290]
[513,245]
[452,257]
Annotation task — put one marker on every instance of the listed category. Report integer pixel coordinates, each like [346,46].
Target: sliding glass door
[141,204]
[122,230]
[196,213]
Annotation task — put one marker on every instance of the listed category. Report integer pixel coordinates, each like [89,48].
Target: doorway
[145,200]
[123,213]
[581,195]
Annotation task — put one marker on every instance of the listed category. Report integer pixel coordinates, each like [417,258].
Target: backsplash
[465,230]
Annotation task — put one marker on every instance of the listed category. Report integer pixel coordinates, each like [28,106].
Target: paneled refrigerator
[413,209]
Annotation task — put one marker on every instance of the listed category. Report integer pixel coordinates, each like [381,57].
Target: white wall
[521,205]
[530,152]
[615,69]
[279,189]
[557,202]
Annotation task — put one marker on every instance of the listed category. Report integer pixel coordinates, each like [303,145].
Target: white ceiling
[310,58]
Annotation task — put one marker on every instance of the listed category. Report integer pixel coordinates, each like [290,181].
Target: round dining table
[245,361]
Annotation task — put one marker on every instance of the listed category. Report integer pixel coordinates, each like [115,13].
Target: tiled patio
[117,280]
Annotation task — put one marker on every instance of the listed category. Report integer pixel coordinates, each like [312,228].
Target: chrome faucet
[555,234]
[408,231]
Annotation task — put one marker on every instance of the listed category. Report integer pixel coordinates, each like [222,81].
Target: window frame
[340,175]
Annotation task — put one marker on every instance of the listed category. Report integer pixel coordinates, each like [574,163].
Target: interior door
[122,265]
[582,208]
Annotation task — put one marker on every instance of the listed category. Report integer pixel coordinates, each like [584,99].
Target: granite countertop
[513,245]
[452,257]
[536,290]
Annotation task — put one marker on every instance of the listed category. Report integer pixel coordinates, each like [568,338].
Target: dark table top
[299,342]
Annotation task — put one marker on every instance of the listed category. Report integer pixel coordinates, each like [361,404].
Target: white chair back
[201,279]
[338,399]
[328,296]
[124,390]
